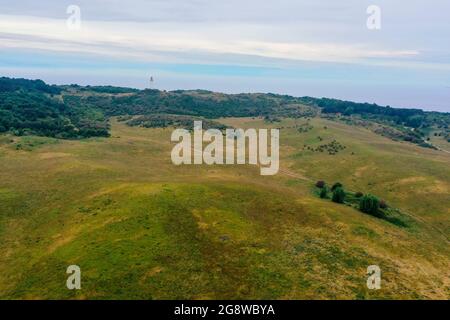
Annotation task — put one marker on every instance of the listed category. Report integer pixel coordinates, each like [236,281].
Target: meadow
[141,228]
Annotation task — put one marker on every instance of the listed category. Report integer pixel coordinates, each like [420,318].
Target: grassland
[141,228]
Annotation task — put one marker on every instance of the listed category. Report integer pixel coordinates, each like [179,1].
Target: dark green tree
[338,195]
[336,185]
[370,204]
[324,193]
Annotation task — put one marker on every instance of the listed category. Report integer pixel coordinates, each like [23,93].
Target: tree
[324,193]
[336,185]
[370,204]
[338,195]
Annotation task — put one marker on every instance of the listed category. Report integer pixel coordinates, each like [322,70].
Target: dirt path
[293,174]
[437,147]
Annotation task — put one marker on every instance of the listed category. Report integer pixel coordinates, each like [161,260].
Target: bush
[338,195]
[320,184]
[336,185]
[324,193]
[370,204]
[383,204]
[359,194]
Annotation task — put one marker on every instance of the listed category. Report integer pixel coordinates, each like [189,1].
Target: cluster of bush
[199,103]
[30,107]
[332,148]
[13,85]
[444,134]
[305,128]
[367,203]
[104,89]
[413,118]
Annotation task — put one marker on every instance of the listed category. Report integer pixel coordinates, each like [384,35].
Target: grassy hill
[75,112]
[140,227]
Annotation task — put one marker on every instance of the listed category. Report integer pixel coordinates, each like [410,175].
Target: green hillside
[140,227]
[74,112]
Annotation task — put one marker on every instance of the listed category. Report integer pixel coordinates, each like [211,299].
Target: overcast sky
[298,47]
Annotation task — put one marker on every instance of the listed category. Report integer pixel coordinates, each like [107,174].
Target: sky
[303,48]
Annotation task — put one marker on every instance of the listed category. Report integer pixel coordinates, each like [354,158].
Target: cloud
[151,41]
[208,30]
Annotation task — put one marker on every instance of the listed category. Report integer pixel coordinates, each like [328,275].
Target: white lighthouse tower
[152,81]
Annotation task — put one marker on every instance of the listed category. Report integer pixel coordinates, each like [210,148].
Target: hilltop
[31,106]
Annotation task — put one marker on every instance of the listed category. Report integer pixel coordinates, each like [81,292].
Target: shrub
[359,194]
[370,204]
[336,185]
[383,204]
[320,184]
[324,193]
[338,195]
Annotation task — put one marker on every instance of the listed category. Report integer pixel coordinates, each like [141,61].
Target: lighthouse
[151,82]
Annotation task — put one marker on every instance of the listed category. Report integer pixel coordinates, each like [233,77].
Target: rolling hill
[141,228]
